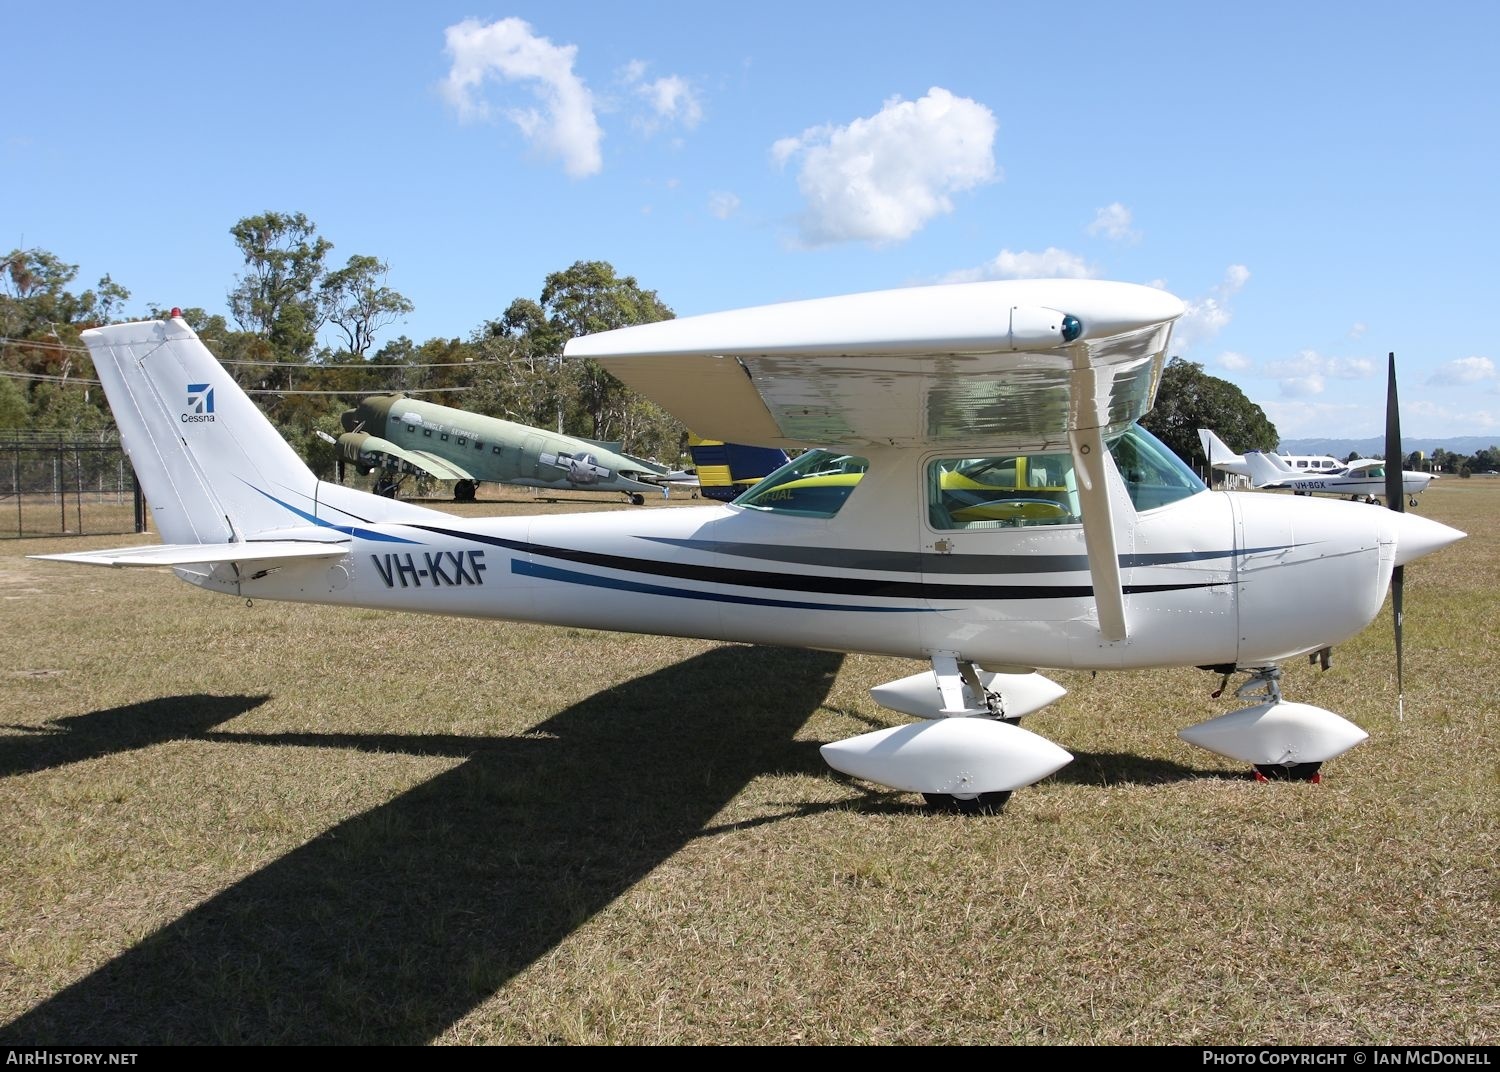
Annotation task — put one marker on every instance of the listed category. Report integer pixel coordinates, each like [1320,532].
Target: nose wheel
[1289,772]
[983,804]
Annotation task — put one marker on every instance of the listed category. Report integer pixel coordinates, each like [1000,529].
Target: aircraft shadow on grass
[120,729]
[393,925]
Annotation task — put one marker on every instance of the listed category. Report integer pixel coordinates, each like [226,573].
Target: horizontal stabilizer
[363,447]
[192,554]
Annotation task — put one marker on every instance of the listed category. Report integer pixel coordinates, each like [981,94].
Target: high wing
[1007,361]
[966,363]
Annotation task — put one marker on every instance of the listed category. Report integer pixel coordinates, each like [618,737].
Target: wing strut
[1099,530]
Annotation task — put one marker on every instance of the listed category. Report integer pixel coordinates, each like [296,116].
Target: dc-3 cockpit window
[1011,490]
[812,485]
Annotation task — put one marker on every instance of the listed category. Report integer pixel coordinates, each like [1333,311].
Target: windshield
[1153,475]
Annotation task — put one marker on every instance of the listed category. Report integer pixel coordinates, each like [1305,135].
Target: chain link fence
[61,484]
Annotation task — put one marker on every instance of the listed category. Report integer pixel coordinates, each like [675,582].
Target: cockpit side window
[1003,491]
[816,484]
[1017,490]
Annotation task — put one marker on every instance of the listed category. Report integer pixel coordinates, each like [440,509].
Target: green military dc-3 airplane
[398,436]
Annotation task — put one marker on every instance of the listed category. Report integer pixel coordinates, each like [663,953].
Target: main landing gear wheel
[983,804]
[637,499]
[1293,772]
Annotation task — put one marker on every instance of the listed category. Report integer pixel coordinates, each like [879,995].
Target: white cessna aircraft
[980,499]
[1363,479]
[1225,460]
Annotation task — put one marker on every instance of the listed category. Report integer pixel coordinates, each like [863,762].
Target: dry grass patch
[289,824]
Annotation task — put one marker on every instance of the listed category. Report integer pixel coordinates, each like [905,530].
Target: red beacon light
[176,313]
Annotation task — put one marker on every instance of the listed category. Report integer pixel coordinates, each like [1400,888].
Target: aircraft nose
[1417,536]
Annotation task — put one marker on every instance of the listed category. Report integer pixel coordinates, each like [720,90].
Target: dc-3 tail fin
[213,468]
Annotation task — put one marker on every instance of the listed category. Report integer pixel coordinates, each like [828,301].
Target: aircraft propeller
[1395,498]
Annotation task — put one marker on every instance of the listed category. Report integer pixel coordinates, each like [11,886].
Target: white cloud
[1051,263]
[671,98]
[1308,372]
[1207,316]
[1439,416]
[1357,331]
[1113,221]
[561,124]
[1464,371]
[1234,362]
[723,204]
[1302,386]
[1296,419]
[881,179]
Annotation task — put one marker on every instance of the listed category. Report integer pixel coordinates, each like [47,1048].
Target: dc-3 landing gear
[1283,741]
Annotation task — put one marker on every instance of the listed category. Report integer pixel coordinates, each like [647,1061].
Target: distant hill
[1375,445]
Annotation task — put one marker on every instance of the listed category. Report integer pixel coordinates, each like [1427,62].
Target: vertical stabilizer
[211,465]
[726,469]
[1219,455]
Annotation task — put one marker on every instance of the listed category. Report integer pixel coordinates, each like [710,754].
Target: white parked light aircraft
[1363,479]
[1222,458]
[980,499]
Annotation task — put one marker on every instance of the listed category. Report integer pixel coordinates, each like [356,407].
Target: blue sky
[1317,180]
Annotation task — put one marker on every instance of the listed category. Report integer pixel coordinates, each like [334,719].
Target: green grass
[289,824]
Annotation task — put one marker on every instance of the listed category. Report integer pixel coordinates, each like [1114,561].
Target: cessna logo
[200,400]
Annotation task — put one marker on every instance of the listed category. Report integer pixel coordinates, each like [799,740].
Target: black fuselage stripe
[808,583]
